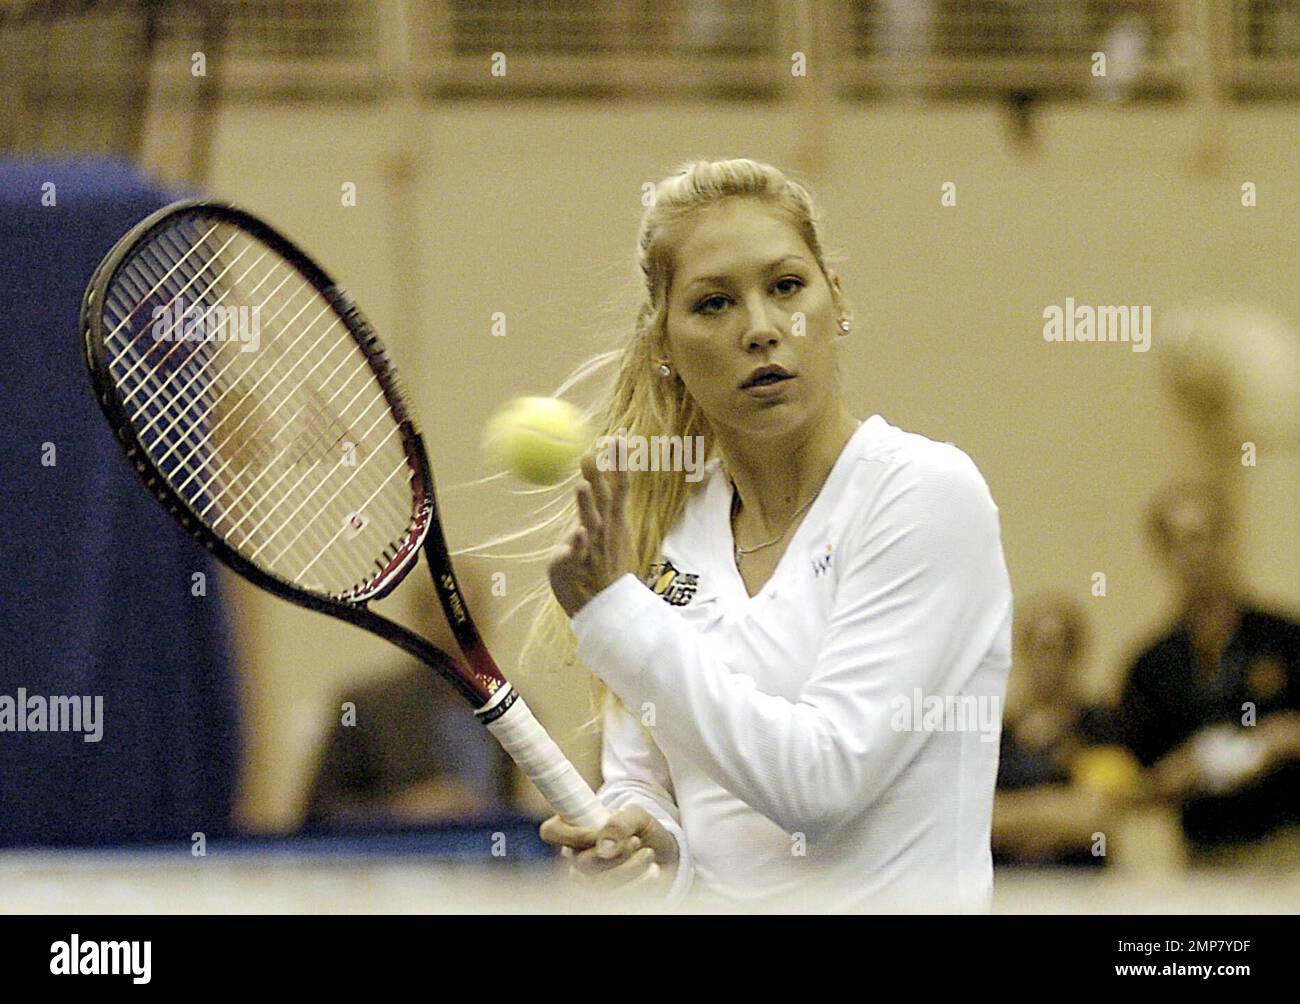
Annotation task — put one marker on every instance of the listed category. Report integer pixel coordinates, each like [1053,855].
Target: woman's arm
[636,773]
[632,766]
[921,597]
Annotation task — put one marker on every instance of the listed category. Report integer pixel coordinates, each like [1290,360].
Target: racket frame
[478,684]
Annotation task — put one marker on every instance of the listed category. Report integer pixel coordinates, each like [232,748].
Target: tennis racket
[260,408]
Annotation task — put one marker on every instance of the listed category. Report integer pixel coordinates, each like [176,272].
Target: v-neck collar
[720,514]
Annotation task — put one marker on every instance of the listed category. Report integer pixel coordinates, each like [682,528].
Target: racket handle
[522,736]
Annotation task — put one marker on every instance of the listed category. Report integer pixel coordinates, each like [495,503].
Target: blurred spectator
[412,753]
[1214,706]
[407,749]
[1057,779]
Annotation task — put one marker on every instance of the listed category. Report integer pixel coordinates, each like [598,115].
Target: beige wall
[530,209]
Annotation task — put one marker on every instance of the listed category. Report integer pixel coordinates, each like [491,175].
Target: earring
[845,324]
[664,369]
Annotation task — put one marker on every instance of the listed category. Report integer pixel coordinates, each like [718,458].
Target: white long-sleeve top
[831,742]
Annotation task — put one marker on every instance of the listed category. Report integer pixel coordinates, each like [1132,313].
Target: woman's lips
[767,390]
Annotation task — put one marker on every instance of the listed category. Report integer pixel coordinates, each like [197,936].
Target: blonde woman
[773,638]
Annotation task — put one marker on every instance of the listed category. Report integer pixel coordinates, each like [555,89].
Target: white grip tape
[522,736]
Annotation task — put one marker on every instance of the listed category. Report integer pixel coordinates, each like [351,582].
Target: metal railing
[78,73]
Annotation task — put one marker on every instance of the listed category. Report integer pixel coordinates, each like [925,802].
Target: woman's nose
[762,330]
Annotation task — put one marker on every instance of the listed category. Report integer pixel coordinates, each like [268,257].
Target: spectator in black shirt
[1214,706]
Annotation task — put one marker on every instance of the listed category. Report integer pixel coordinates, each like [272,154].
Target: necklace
[740,551]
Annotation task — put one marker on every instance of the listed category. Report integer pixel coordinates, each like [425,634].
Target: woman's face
[746,292]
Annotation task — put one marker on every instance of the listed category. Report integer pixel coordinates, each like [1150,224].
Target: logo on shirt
[821,563]
[675,587]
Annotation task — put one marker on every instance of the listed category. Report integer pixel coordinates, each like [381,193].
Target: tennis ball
[540,439]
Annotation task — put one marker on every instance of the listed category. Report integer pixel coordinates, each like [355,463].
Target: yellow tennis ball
[541,439]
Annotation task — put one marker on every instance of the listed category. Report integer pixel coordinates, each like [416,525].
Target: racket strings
[335,433]
[298,447]
[180,398]
[209,358]
[185,401]
[284,443]
[403,514]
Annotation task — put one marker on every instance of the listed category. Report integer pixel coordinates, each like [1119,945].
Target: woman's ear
[837,295]
[837,289]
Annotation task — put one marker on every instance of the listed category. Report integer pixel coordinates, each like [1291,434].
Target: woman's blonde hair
[641,400]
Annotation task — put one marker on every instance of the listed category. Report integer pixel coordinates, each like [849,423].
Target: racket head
[258,405]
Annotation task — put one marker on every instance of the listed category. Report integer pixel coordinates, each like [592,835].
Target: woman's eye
[718,302]
[711,304]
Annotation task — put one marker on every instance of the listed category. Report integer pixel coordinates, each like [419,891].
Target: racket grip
[522,736]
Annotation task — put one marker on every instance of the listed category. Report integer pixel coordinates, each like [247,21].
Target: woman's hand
[598,551]
[631,851]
